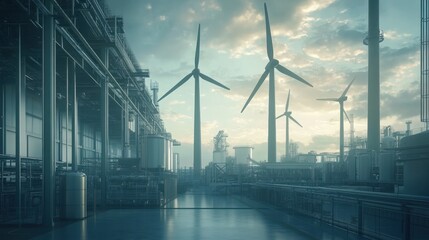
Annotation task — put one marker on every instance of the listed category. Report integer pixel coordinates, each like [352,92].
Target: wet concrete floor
[195,215]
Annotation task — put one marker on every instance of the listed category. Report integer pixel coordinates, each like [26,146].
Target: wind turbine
[269,69]
[288,116]
[341,101]
[197,114]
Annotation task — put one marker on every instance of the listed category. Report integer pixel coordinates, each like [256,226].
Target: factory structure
[79,125]
[81,130]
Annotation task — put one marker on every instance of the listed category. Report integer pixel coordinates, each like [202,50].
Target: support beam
[373,130]
[104,108]
[74,110]
[49,98]
[19,123]
[126,130]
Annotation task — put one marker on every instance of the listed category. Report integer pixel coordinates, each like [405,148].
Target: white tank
[242,154]
[175,162]
[155,152]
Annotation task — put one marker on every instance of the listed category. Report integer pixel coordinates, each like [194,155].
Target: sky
[320,40]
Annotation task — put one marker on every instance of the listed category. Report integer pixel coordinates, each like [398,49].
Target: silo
[175,162]
[242,154]
[168,154]
[155,152]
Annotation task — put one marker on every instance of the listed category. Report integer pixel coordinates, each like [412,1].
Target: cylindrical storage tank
[386,166]
[154,152]
[168,154]
[73,198]
[242,154]
[175,161]
[363,167]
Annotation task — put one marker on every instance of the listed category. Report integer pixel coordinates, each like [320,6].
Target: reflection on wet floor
[195,215]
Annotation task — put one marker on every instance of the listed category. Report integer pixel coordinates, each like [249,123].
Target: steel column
[104,106]
[126,133]
[49,98]
[19,123]
[74,111]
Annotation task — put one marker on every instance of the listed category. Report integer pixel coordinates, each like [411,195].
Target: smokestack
[373,130]
[154,87]
[408,132]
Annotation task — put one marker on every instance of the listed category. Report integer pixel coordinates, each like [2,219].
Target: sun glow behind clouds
[320,40]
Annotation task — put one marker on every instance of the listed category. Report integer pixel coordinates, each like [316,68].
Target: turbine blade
[258,85]
[284,114]
[293,119]
[347,89]
[347,116]
[180,83]
[287,102]
[211,80]
[197,50]
[268,32]
[328,99]
[291,74]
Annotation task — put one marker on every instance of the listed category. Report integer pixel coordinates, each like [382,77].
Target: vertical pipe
[341,131]
[20,88]
[49,94]
[67,113]
[137,133]
[104,106]
[271,120]
[197,130]
[74,113]
[125,127]
[373,130]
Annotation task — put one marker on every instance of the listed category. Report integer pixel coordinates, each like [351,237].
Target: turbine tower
[341,101]
[197,114]
[288,115]
[269,69]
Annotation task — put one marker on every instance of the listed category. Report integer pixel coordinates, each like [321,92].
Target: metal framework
[71,59]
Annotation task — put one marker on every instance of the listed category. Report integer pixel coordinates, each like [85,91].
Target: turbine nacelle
[196,72]
[272,64]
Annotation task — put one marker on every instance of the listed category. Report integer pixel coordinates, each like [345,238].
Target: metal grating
[424,61]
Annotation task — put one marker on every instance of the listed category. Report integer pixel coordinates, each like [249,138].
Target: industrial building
[84,153]
[79,126]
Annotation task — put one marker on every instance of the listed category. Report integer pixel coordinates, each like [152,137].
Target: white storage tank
[168,154]
[73,198]
[242,154]
[175,162]
[155,152]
